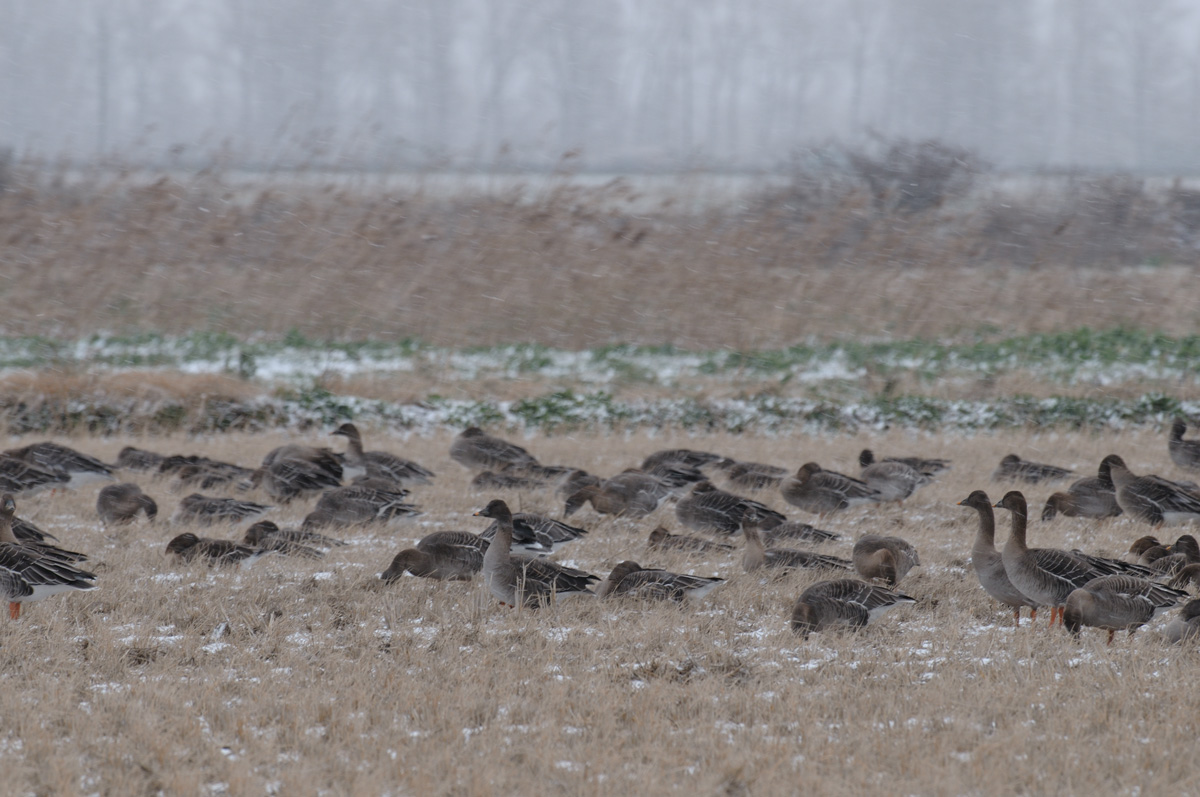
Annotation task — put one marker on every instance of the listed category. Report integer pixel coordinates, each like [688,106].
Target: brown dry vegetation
[300,678]
[576,267]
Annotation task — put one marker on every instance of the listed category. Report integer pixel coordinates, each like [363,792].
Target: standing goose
[885,558]
[208,511]
[442,555]
[1185,627]
[662,540]
[707,508]
[758,556]
[381,463]
[33,571]
[354,505]
[475,449]
[894,481]
[929,467]
[820,491]
[631,579]
[120,504]
[842,603]
[188,546]
[1153,499]
[79,468]
[1092,496]
[1013,468]
[521,581]
[288,479]
[537,534]
[987,562]
[1116,603]
[1046,576]
[1184,453]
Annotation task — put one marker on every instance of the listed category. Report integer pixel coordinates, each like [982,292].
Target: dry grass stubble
[298,677]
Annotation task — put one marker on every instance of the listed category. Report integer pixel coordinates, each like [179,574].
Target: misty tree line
[625,84]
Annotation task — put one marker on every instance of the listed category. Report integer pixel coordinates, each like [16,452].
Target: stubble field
[297,677]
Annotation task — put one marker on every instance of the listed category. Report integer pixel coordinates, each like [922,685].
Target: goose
[632,494]
[1184,453]
[1152,499]
[120,504]
[886,558]
[189,547]
[661,540]
[894,481]
[707,508]
[132,458]
[208,511]
[757,556]
[350,506]
[19,477]
[631,579]
[381,463]
[1185,551]
[254,538]
[538,534]
[576,479]
[205,478]
[442,555]
[521,581]
[321,458]
[263,530]
[796,530]
[1185,627]
[680,456]
[1092,496]
[1189,574]
[988,563]
[676,477]
[842,603]
[176,463]
[1118,602]
[79,468]
[33,571]
[929,467]
[490,480]
[1013,468]
[475,449]
[820,491]
[288,479]
[1045,576]
[751,475]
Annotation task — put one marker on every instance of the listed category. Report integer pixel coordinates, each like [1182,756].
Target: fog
[731,85]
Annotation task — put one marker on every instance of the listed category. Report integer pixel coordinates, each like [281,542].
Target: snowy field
[299,677]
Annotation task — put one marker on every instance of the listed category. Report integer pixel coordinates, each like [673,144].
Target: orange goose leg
[14,610]
[1111,634]
[1017,617]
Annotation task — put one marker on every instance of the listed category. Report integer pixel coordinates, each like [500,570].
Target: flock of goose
[357,486]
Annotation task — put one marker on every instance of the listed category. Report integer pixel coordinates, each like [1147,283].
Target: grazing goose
[1013,468]
[23,478]
[885,558]
[707,508]
[351,506]
[751,475]
[381,463]
[632,580]
[322,458]
[288,479]
[929,467]
[475,449]
[758,556]
[988,563]
[78,467]
[521,581]
[894,481]
[796,530]
[680,456]
[33,571]
[1116,603]
[490,480]
[820,491]
[120,504]
[1153,499]
[575,480]
[1184,453]
[1093,496]
[1185,627]
[443,555]
[842,603]
[632,493]
[208,511]
[662,540]
[263,530]
[188,547]
[132,458]
[1045,576]
[537,534]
